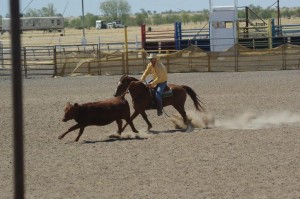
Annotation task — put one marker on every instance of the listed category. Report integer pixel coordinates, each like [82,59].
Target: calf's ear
[76,105]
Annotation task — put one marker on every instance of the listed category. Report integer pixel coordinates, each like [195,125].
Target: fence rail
[93,59]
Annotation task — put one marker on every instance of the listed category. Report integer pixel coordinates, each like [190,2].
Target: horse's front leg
[144,115]
[134,114]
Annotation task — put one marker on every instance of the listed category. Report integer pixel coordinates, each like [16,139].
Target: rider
[160,77]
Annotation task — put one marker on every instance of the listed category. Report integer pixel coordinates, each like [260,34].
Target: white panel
[222,37]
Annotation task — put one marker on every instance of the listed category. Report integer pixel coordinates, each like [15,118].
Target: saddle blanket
[167,93]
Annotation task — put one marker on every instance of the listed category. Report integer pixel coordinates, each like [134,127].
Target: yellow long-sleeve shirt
[158,72]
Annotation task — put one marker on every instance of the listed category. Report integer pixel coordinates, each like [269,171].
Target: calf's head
[71,112]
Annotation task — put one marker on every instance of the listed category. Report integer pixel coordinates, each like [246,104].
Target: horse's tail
[197,102]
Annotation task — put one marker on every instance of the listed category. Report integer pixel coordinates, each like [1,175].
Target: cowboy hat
[152,56]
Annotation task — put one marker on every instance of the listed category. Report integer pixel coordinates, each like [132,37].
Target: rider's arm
[146,72]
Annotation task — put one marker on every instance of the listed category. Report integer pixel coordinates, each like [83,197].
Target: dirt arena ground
[251,151]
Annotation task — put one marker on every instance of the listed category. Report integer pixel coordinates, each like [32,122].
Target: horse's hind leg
[146,120]
[182,112]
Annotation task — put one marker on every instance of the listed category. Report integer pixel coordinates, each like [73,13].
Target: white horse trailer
[100,24]
[36,23]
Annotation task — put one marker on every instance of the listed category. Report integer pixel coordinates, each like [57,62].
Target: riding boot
[159,107]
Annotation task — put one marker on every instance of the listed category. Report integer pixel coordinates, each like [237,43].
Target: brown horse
[142,98]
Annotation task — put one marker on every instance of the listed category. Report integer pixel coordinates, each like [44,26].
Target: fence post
[284,56]
[123,63]
[208,62]
[1,55]
[99,58]
[236,57]
[136,43]
[178,35]
[190,62]
[168,61]
[126,49]
[159,47]
[143,35]
[270,34]
[89,68]
[25,62]
[55,62]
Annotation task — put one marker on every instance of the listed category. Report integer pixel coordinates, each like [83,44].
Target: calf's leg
[76,126]
[119,123]
[80,133]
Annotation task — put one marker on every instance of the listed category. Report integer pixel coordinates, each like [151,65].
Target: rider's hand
[150,85]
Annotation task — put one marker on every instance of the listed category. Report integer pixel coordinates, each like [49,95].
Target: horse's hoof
[189,129]
[178,127]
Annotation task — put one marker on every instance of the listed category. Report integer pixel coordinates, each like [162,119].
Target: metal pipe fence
[93,59]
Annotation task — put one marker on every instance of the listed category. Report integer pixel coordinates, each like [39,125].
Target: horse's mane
[132,81]
[130,78]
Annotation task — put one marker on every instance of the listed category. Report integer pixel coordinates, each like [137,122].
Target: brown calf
[98,113]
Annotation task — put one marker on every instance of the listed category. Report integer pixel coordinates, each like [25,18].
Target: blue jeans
[159,91]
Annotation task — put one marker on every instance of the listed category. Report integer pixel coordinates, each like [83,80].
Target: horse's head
[123,84]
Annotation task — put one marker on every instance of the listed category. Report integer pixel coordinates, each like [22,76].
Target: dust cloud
[198,120]
[246,120]
[254,120]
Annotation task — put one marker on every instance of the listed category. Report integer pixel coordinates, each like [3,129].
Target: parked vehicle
[100,24]
[110,25]
[118,24]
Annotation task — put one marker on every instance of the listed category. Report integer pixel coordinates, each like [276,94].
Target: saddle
[167,93]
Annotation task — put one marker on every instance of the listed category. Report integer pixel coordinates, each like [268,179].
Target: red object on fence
[143,32]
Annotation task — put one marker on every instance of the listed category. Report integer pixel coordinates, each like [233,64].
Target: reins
[165,112]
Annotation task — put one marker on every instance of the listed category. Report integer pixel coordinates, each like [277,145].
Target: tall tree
[140,18]
[185,17]
[44,12]
[115,9]
[49,10]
